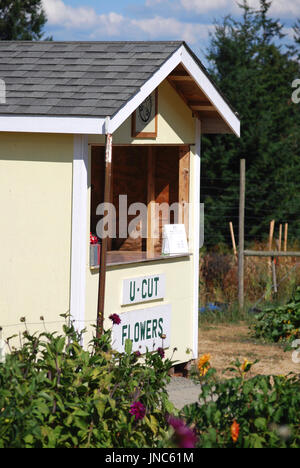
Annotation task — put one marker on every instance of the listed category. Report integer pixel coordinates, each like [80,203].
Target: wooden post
[241,234]
[285,237]
[233,239]
[151,221]
[105,241]
[184,177]
[274,274]
[280,238]
[271,234]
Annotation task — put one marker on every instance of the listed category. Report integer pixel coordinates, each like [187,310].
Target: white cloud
[59,13]
[205,6]
[153,2]
[281,8]
[286,8]
[171,28]
[82,18]
[113,25]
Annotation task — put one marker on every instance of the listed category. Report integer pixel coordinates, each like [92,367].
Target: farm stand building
[155,99]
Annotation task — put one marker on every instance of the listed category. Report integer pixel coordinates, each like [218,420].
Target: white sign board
[174,239]
[144,328]
[143,289]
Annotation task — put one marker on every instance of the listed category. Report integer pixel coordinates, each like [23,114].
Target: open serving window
[150,188]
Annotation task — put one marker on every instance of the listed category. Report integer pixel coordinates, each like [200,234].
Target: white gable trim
[180,56]
[211,92]
[96,126]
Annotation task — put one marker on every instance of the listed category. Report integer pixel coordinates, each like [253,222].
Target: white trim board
[196,246]
[79,231]
[96,126]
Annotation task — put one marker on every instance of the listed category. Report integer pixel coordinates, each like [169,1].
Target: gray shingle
[76,78]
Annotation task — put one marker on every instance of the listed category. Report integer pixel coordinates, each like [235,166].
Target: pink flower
[184,436]
[138,410]
[115,319]
[161,352]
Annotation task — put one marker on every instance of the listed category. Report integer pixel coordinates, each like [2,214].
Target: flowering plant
[204,365]
[257,412]
[56,394]
[93,239]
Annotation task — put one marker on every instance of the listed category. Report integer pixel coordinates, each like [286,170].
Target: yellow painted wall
[175,122]
[35,232]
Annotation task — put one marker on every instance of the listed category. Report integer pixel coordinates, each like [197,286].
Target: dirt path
[225,343]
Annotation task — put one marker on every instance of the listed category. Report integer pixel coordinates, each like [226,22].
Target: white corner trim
[40,124]
[197,179]
[79,231]
[211,92]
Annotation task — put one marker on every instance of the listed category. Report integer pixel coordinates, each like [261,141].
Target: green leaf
[128,346]
[260,424]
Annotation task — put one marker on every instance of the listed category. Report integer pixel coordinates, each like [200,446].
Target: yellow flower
[246,366]
[203,364]
[203,360]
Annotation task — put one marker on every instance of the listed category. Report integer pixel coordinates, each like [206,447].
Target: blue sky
[190,20]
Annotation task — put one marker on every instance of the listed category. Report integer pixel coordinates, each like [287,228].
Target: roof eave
[96,125]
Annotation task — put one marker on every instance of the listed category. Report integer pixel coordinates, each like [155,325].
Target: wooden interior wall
[97,183]
[166,184]
[130,178]
[146,174]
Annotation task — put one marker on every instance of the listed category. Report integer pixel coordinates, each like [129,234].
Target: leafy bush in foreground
[259,412]
[279,323]
[53,393]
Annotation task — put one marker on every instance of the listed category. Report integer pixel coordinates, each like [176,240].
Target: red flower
[138,410]
[115,319]
[161,352]
[93,239]
[235,430]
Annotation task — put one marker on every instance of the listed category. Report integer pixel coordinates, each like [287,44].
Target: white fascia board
[39,124]
[211,92]
[146,90]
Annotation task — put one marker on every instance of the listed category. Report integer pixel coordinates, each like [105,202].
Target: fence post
[241,234]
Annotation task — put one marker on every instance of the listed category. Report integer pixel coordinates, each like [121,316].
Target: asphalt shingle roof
[76,78]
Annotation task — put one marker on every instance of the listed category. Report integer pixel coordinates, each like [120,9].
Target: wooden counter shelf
[115,258]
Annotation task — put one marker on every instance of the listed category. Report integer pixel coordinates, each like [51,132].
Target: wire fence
[220,213]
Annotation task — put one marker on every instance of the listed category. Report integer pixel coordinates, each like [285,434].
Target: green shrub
[259,412]
[53,393]
[279,323]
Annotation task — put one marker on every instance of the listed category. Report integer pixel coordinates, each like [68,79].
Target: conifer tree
[254,69]
[21,20]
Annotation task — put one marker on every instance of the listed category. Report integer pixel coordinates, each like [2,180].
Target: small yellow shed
[74,116]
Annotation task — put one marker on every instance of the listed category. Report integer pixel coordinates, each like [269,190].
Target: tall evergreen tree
[249,62]
[21,20]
